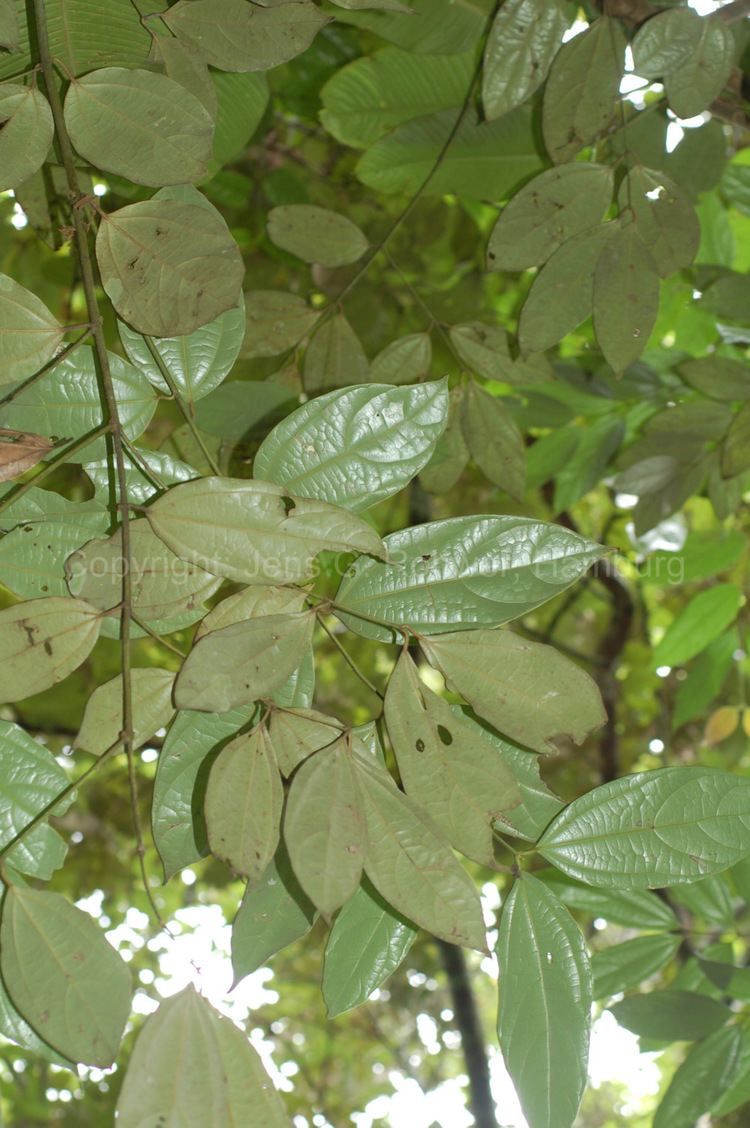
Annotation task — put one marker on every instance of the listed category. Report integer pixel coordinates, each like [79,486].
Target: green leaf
[664,827]
[45,529]
[27,131]
[80,43]
[168,268]
[583,84]
[197,362]
[236,37]
[735,452]
[451,454]
[66,402]
[324,827]
[140,125]
[727,298]
[356,446]
[626,965]
[190,1064]
[562,294]
[664,217]
[186,66]
[29,333]
[276,321]
[42,641]
[242,662]
[334,357]
[411,864]
[736,1088]
[404,361]
[493,439]
[528,692]
[551,208]
[153,472]
[238,410]
[462,572]
[705,679]
[705,617]
[17,1030]
[733,981]
[251,603]
[707,1072]
[367,943]
[709,898]
[634,908]
[545,999]
[63,976]
[296,735]
[432,27]
[254,532]
[379,5]
[670,1016]
[665,41]
[701,76]
[243,805]
[459,779]
[523,40]
[598,442]
[273,914]
[486,160]
[550,454]
[316,235]
[179,788]
[151,690]
[242,103]
[702,556]
[166,592]
[366,98]
[718,377]
[30,778]
[9,26]
[626,297]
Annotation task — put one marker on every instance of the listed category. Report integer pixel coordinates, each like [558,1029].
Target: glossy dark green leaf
[460,780]
[140,125]
[26,134]
[626,965]
[461,572]
[273,914]
[273,537]
[707,1072]
[523,40]
[705,678]
[356,446]
[706,616]
[736,1088]
[626,297]
[324,827]
[551,208]
[335,357]
[545,998]
[236,37]
[584,79]
[659,828]
[701,76]
[30,778]
[42,641]
[191,1064]
[316,234]
[244,799]
[63,976]
[635,908]
[177,819]
[665,41]
[197,362]
[493,439]
[528,692]
[367,943]
[670,1016]
[411,864]
[168,267]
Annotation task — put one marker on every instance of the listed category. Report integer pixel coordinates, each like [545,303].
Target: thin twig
[174,391]
[349,660]
[109,398]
